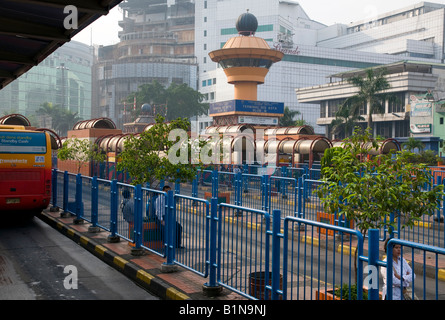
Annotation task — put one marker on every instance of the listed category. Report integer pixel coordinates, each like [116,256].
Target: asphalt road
[39,263]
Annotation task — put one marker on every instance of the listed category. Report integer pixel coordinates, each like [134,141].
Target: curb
[136,273]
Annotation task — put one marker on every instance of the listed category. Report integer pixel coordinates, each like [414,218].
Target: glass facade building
[63,78]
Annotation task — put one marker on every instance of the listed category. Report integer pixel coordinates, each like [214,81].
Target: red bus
[25,170]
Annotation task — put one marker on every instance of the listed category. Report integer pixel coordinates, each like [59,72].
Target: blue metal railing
[232,245]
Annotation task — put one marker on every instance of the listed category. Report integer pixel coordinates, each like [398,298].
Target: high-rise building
[63,78]
[156,43]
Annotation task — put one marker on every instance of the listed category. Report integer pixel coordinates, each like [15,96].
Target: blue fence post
[178,186]
[300,197]
[94,205]
[212,288]
[389,271]
[170,233]
[276,227]
[238,187]
[283,182]
[65,193]
[137,230]
[195,187]
[373,257]
[54,191]
[265,194]
[113,212]
[79,203]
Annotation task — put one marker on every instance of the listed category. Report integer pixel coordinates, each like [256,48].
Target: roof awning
[30,30]
[397,67]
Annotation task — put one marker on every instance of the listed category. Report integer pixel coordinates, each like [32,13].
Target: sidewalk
[144,270]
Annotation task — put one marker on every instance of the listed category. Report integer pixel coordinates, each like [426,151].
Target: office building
[313,51]
[156,43]
[63,78]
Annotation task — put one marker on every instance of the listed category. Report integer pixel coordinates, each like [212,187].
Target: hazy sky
[104,30]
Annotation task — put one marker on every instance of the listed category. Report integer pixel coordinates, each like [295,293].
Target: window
[323,109]
[204,83]
[205,33]
[397,103]
[209,82]
[205,46]
[205,4]
[441,120]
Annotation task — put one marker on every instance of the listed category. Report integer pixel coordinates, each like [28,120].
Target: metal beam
[86,6]
[6,56]
[31,30]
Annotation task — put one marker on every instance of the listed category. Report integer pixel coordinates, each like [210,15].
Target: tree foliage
[178,100]
[367,189]
[287,120]
[81,151]
[371,92]
[346,118]
[146,157]
[412,143]
[62,119]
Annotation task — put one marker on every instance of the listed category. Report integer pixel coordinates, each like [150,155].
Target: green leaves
[145,157]
[178,100]
[81,151]
[367,188]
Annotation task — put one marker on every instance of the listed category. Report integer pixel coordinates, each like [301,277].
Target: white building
[312,50]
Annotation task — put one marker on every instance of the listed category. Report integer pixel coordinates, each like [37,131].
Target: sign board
[268,121]
[232,107]
[420,128]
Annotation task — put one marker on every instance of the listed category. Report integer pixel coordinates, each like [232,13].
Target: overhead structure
[246,60]
[30,30]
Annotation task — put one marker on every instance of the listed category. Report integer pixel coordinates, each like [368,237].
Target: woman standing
[400,282]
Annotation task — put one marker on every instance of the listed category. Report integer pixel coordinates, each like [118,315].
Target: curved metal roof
[30,30]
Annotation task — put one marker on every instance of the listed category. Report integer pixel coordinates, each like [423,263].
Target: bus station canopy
[30,30]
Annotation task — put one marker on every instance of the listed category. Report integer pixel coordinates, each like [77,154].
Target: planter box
[326,295]
[223,197]
[152,235]
[329,294]
[329,218]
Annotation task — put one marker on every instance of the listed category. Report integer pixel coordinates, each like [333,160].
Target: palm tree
[346,118]
[287,120]
[67,120]
[371,91]
[412,144]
